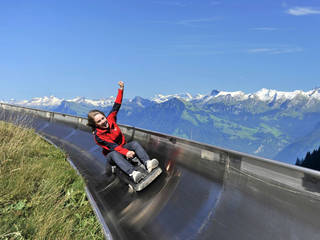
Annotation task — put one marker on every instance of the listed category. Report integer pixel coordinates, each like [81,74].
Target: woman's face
[101,121]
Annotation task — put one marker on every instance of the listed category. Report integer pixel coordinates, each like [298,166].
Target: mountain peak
[78,99]
[214,92]
[271,95]
[41,101]
[163,98]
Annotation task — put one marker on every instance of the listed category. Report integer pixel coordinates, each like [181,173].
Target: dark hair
[91,123]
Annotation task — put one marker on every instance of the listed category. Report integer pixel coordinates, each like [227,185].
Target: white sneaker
[152,164]
[136,176]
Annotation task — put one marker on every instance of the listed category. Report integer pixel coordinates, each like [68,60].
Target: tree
[311,160]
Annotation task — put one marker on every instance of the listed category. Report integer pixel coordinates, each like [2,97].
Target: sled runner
[144,182]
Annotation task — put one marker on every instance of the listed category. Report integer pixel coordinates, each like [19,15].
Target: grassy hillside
[42,197]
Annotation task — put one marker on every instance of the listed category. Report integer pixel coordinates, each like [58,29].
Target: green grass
[179,133]
[272,130]
[202,118]
[233,129]
[188,117]
[42,197]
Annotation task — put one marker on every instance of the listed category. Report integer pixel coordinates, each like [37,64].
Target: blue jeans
[118,159]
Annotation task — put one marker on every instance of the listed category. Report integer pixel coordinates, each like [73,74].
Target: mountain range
[268,123]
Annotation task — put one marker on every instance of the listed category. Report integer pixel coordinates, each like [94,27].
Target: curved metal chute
[204,192]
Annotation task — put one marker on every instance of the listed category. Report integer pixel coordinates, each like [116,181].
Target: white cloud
[190,22]
[260,50]
[170,3]
[199,20]
[265,29]
[273,51]
[300,11]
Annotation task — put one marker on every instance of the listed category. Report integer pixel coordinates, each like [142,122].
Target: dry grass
[42,197]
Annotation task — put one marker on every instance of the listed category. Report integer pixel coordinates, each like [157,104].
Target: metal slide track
[204,192]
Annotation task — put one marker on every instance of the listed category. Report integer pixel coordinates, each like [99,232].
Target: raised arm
[118,101]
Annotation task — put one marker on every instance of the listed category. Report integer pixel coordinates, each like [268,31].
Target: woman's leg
[142,155]
[120,161]
[138,149]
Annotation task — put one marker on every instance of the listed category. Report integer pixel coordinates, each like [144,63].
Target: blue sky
[83,48]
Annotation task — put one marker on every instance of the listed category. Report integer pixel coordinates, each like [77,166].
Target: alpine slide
[204,192]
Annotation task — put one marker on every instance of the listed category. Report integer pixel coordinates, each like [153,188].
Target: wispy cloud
[192,22]
[300,11]
[261,50]
[187,49]
[264,29]
[171,3]
[272,51]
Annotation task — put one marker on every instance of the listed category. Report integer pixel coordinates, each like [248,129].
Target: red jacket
[112,139]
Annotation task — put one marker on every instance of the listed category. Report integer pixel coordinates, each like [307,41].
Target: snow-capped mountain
[263,95]
[37,102]
[183,96]
[270,95]
[99,103]
[53,101]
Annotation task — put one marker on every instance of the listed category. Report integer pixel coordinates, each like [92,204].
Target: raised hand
[121,84]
